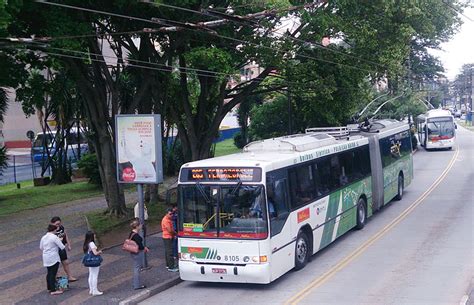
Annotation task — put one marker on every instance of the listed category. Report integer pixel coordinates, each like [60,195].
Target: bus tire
[361,214]
[301,250]
[400,188]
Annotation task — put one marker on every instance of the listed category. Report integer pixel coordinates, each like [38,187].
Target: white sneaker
[97,293]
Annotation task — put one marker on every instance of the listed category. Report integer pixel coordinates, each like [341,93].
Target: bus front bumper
[441,143]
[250,273]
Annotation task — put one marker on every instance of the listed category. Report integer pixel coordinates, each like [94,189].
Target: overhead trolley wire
[322,47]
[213,34]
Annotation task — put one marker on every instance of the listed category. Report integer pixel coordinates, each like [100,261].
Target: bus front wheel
[361,214]
[301,251]
[400,188]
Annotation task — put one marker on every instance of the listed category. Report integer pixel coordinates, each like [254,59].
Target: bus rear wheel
[301,251]
[361,214]
[400,188]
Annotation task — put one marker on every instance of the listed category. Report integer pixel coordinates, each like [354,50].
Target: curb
[153,290]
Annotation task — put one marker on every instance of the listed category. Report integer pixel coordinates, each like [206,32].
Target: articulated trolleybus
[436,129]
[251,217]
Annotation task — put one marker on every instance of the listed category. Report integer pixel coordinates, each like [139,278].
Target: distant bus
[75,142]
[253,216]
[436,129]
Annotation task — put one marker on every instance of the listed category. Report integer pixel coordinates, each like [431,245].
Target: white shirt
[92,246]
[136,211]
[50,244]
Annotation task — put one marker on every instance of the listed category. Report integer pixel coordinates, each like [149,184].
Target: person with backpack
[90,246]
[50,244]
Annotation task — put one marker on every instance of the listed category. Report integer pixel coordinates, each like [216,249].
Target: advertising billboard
[138,147]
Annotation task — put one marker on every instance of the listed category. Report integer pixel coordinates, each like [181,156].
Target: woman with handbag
[137,257]
[91,248]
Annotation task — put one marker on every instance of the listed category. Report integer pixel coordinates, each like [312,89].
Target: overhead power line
[187,26]
[240,19]
[169,69]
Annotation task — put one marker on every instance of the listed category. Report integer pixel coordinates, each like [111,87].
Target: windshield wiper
[203,193]
[236,188]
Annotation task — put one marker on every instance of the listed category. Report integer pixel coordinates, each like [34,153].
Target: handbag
[130,245]
[91,260]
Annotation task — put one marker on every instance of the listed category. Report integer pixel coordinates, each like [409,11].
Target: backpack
[62,283]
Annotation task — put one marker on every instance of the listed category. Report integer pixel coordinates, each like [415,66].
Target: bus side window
[277,193]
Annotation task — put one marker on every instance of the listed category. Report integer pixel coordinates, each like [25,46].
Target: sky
[460,49]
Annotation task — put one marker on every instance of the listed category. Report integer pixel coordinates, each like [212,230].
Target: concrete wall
[16,124]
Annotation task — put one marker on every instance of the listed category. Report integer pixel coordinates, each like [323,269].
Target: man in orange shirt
[168,235]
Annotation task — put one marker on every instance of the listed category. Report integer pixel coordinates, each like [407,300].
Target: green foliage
[13,200]
[172,158]
[239,140]
[268,121]
[89,165]
[3,158]
[3,103]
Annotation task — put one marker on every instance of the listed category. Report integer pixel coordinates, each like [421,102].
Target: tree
[180,66]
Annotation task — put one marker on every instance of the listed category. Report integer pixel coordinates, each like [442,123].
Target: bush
[3,158]
[90,167]
[173,158]
[239,141]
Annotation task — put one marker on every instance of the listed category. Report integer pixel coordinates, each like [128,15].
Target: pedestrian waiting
[61,233]
[51,245]
[90,246]
[137,257]
[169,234]
[175,239]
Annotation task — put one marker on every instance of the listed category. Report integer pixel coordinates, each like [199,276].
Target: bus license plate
[219,270]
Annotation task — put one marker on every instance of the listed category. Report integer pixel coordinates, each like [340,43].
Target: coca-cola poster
[138,146]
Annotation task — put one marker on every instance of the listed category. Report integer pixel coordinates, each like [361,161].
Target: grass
[226,147]
[13,200]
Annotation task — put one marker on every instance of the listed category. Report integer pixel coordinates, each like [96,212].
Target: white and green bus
[253,216]
[436,129]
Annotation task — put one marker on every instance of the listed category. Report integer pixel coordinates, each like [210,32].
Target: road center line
[362,248]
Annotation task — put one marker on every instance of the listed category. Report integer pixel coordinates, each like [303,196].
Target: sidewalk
[22,275]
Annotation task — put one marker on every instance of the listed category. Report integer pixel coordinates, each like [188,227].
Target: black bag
[91,260]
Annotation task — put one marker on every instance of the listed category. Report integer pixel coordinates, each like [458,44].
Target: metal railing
[21,168]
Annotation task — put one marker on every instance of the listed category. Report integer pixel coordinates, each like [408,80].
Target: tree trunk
[95,98]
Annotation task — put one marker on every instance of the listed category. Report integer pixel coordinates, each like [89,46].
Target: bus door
[281,243]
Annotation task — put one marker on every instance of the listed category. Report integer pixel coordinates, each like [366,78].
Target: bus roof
[435,113]
[284,151]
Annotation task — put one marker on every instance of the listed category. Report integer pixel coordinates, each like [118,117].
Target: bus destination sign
[245,174]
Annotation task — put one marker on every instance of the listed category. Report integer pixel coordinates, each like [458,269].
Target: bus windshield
[222,211]
[440,128]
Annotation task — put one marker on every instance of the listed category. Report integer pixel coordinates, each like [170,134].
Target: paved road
[426,257]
